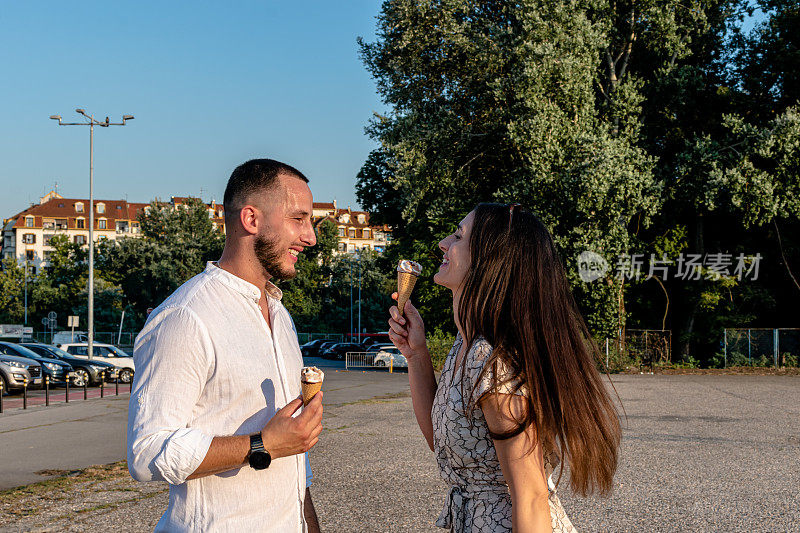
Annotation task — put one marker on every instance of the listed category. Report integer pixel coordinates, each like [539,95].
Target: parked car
[61,337]
[375,348]
[84,371]
[324,346]
[390,355]
[14,372]
[106,353]
[57,371]
[311,349]
[338,351]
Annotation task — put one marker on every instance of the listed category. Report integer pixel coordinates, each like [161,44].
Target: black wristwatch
[259,458]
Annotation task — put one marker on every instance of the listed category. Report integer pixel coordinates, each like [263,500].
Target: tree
[497,101]
[175,245]
[12,297]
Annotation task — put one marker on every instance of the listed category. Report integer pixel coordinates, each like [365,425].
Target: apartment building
[27,234]
[355,231]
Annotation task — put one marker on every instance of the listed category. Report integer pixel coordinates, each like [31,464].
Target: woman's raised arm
[408,335]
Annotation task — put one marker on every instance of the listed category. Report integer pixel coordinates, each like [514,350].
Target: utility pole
[91,122]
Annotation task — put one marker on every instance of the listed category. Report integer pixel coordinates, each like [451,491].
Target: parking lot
[699,453]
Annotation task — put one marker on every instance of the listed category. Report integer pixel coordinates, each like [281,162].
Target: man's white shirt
[208,364]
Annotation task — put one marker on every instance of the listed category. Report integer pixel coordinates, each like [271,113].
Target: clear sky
[211,84]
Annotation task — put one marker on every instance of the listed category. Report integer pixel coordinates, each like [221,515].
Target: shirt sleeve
[309,474]
[173,355]
[498,376]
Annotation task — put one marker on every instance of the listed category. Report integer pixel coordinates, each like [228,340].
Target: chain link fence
[776,347]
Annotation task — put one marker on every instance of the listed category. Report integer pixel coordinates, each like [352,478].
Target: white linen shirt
[208,364]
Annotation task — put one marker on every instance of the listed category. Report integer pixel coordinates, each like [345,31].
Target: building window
[351,248]
[46,239]
[79,207]
[60,205]
[29,238]
[101,224]
[342,247]
[365,233]
[352,233]
[80,239]
[29,255]
[101,208]
[101,238]
[28,222]
[119,207]
[33,271]
[365,247]
[362,219]
[80,223]
[341,232]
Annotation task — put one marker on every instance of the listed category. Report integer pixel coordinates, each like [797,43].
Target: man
[215,401]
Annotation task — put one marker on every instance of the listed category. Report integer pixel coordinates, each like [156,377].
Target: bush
[439,345]
[790,360]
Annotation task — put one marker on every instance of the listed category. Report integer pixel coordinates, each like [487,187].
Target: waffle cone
[309,390]
[405,284]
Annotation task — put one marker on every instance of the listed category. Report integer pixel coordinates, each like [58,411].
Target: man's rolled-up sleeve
[173,356]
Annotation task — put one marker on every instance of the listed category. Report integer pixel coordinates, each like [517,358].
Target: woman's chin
[437,279]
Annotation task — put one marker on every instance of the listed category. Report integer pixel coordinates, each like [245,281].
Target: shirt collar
[241,286]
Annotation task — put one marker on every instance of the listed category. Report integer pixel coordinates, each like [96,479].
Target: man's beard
[269,255]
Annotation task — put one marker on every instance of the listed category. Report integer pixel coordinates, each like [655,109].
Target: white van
[62,337]
[103,352]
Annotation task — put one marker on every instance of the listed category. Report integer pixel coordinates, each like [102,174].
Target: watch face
[259,460]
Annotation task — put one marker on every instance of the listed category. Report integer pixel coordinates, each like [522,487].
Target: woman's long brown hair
[516,296]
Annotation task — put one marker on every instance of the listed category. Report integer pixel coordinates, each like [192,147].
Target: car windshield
[21,351]
[116,351]
[58,352]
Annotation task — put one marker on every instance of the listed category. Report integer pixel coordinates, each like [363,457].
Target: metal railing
[360,360]
[761,346]
[70,392]
[305,337]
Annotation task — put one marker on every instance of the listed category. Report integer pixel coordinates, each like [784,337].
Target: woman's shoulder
[481,349]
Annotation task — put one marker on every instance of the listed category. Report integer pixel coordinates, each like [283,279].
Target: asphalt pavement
[699,453]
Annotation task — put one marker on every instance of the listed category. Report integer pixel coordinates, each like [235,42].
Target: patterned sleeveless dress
[479,500]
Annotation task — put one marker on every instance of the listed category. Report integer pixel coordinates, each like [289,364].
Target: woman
[519,390]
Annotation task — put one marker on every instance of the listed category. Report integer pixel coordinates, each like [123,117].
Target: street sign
[72,321]
[52,315]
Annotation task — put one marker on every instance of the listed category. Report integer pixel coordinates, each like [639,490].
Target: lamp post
[91,122]
[26,289]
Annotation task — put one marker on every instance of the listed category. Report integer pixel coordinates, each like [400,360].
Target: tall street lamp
[91,122]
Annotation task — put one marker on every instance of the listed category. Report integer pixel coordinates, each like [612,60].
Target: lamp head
[127,117]
[81,111]
[55,117]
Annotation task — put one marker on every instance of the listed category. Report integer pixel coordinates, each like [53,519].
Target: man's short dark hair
[252,177]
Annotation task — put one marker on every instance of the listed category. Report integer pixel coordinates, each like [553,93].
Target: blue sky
[210,84]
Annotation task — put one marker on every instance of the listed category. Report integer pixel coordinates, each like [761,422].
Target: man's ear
[249,217]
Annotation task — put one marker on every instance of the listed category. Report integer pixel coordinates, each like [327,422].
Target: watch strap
[256,443]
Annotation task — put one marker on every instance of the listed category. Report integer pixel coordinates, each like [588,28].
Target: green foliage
[12,287]
[175,245]
[319,297]
[439,345]
[651,127]
[494,104]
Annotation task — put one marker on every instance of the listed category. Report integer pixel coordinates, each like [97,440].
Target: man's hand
[286,435]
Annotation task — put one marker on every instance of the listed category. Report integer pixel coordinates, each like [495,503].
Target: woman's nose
[443,245]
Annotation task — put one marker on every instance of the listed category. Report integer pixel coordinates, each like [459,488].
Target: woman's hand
[407,332]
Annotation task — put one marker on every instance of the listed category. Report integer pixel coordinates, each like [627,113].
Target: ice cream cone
[310,390]
[407,274]
[405,284]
